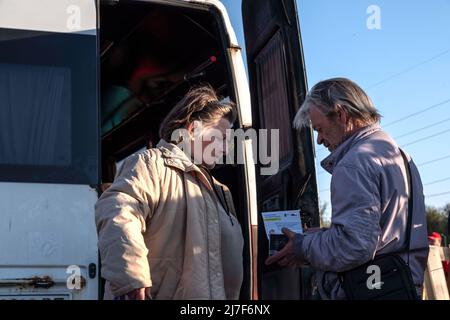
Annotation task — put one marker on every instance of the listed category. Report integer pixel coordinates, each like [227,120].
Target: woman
[167,229]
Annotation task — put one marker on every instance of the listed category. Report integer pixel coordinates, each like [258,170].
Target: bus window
[48,102]
[35,122]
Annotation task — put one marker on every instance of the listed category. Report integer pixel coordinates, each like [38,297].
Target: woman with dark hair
[167,229]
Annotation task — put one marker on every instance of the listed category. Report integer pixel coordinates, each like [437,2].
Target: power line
[408,69]
[419,165]
[417,113]
[410,116]
[426,184]
[423,128]
[425,138]
[438,194]
[433,161]
[436,181]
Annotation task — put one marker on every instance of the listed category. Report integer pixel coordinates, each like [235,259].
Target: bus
[86,83]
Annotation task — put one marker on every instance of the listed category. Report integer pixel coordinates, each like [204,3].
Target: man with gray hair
[369,191]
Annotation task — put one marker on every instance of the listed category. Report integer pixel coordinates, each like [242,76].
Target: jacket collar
[175,157]
[330,162]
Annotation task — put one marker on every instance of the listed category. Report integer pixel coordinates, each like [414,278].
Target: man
[369,191]
[435,239]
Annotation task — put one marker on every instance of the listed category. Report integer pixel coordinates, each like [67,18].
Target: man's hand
[137,294]
[286,256]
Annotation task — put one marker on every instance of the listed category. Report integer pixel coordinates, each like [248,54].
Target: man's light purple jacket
[369,200]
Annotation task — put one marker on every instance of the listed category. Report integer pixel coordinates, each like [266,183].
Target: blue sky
[404,67]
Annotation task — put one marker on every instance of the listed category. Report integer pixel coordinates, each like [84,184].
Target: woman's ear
[190,130]
[194,129]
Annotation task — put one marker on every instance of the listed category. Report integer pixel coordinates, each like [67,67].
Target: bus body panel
[48,232]
[49,153]
[48,228]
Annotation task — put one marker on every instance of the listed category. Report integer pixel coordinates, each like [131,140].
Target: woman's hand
[137,294]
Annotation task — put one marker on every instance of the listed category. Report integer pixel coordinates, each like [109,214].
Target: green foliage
[324,223]
[437,219]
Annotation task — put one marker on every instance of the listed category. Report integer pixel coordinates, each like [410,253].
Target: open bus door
[49,149]
[278,86]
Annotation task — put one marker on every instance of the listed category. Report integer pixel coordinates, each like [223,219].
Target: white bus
[85,83]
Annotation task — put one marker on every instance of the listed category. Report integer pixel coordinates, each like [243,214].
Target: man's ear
[341,114]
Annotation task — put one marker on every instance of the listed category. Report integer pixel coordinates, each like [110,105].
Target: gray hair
[328,94]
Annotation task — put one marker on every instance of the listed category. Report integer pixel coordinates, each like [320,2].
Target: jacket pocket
[165,278]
